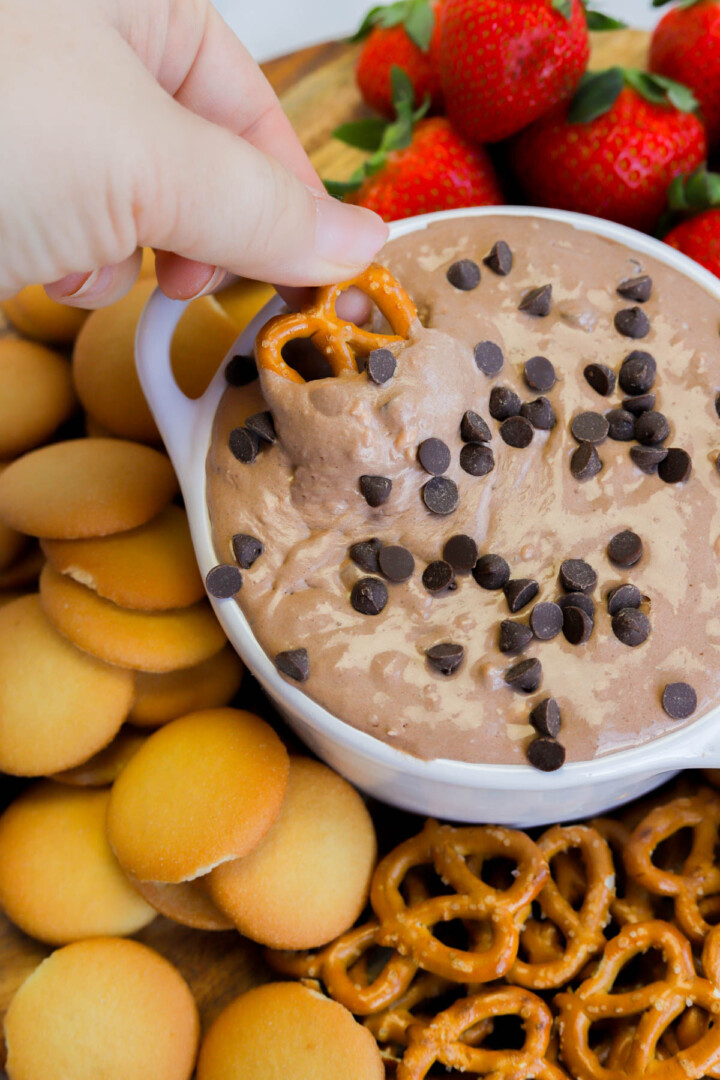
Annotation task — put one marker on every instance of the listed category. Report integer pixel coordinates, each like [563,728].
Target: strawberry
[686,46]
[698,236]
[504,63]
[614,150]
[405,35]
[416,165]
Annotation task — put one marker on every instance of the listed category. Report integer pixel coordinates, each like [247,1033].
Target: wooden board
[318,91]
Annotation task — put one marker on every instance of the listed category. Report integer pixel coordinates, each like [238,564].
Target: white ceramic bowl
[455,790]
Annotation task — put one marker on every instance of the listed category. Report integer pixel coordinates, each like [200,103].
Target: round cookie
[287,1030]
[151,568]
[187,903]
[309,879]
[58,706]
[243,300]
[204,336]
[34,314]
[85,487]
[59,880]
[144,640]
[37,395]
[202,790]
[160,698]
[103,768]
[107,1008]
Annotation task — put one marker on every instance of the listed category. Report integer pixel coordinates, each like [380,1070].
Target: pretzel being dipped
[341,342]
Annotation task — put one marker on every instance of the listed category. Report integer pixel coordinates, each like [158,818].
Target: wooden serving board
[318,91]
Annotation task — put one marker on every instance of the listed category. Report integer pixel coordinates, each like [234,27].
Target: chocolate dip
[301,499]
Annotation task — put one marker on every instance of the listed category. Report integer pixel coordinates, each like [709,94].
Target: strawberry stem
[598,92]
[416,16]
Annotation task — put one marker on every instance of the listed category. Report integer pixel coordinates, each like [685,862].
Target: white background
[274,27]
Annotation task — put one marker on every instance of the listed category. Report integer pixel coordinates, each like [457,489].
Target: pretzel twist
[635,904]
[338,340]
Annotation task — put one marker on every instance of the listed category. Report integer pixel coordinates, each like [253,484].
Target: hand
[130,123]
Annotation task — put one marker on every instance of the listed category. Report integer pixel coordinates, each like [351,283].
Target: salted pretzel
[632,902]
[652,1009]
[441,1041]
[699,876]
[339,341]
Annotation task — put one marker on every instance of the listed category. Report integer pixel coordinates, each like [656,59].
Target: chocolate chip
[577,576]
[365,554]
[477,459]
[623,596]
[246,549]
[676,467]
[577,625]
[241,370]
[295,663]
[637,372]
[396,563]
[440,495]
[632,322]
[500,259]
[621,425]
[445,658]
[601,378]
[648,458]
[636,288]
[464,275]
[639,403]
[375,489]
[517,431]
[546,719]
[579,600]
[631,626]
[244,445]
[514,636]
[524,676]
[504,403]
[491,572]
[585,462]
[540,413]
[223,581]
[489,358]
[438,575]
[262,425]
[369,596]
[651,428]
[545,754]
[546,620]
[381,365]
[474,429]
[434,456]
[461,552]
[590,427]
[539,373]
[537,301]
[625,549]
[679,700]
[519,592]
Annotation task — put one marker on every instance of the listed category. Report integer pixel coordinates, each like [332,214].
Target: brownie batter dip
[498,541]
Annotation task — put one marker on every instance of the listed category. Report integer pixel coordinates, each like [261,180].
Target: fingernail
[84,286]
[347,235]
[213,282]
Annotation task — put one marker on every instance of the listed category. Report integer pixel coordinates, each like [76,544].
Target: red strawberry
[405,35]
[504,63]
[686,47]
[698,236]
[416,167]
[615,150]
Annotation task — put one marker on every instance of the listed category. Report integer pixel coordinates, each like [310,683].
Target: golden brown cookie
[37,395]
[151,568]
[285,1030]
[103,768]
[59,880]
[107,1008]
[203,337]
[85,487]
[202,790]
[33,313]
[144,640]
[308,880]
[159,698]
[243,299]
[58,706]
[188,903]
[10,595]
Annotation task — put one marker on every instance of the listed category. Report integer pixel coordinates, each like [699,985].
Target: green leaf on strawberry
[681,4]
[598,92]
[700,190]
[417,16]
[564,7]
[598,20]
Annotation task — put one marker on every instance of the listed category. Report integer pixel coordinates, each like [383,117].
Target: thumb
[214,198]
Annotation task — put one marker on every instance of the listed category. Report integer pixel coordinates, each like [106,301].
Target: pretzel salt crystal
[338,340]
